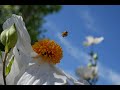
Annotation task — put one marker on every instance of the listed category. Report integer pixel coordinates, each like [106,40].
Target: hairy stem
[4,65]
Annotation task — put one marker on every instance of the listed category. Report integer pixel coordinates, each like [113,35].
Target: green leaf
[95,56]
[8,68]
[89,64]
[3,37]
[6,48]
[12,36]
[1,54]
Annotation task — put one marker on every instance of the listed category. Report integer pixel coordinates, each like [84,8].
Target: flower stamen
[48,50]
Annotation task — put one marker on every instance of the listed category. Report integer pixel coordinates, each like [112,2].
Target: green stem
[4,65]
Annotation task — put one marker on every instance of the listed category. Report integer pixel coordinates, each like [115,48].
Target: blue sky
[81,21]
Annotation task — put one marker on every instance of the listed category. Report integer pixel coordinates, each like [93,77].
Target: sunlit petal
[44,74]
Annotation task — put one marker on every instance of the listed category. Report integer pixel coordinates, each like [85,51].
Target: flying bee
[64,34]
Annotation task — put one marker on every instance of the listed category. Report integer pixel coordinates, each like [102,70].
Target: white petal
[23,45]
[92,40]
[24,42]
[42,74]
[59,76]
[33,54]
[14,72]
[98,40]
[89,40]
[20,63]
[70,79]
[22,49]
[20,25]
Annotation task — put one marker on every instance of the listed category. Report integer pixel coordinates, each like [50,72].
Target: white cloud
[90,21]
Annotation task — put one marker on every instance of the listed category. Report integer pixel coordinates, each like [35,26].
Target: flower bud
[95,56]
[9,37]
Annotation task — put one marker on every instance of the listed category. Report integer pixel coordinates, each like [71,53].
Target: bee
[64,34]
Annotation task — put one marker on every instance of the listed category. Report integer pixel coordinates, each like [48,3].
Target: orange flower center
[48,50]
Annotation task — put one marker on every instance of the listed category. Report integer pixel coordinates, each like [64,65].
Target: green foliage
[95,56]
[89,64]
[8,68]
[33,15]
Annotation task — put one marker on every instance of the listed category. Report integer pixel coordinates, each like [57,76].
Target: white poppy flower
[87,72]
[27,70]
[90,40]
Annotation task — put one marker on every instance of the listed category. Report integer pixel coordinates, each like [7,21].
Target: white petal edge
[69,78]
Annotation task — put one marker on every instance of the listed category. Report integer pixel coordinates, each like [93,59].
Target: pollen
[48,50]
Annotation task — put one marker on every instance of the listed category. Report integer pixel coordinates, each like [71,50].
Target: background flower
[90,40]
[87,72]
